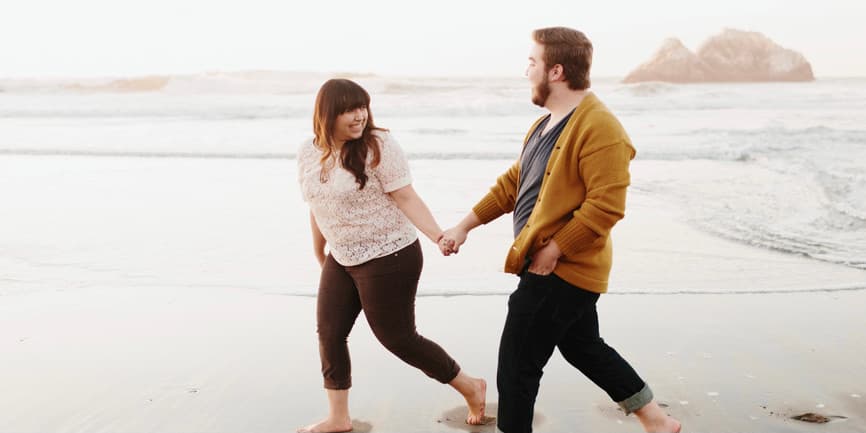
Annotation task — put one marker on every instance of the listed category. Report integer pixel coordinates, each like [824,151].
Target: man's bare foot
[655,420]
[477,401]
[670,425]
[328,426]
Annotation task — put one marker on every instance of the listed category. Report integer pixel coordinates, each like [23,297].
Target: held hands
[544,260]
[450,240]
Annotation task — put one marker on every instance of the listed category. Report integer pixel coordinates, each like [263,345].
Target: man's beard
[541,92]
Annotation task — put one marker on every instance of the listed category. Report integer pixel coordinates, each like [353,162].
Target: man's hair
[569,48]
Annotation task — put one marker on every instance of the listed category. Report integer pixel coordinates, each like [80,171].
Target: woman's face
[350,125]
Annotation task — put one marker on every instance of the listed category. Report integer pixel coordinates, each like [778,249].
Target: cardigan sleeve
[604,169]
[501,198]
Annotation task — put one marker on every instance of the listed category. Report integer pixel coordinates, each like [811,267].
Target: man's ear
[556,73]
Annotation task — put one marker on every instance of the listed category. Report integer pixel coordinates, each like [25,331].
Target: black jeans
[546,312]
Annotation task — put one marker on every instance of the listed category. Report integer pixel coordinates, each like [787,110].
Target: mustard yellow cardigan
[582,196]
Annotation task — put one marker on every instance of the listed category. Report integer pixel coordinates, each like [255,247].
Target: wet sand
[232,360]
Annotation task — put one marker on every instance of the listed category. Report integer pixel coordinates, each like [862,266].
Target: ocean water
[779,166]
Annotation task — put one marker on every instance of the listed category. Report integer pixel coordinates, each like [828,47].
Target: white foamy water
[777,166]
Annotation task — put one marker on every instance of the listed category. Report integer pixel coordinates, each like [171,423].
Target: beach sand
[232,360]
[142,295]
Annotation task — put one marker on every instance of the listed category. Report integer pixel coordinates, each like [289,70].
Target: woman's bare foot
[477,402]
[328,426]
[475,394]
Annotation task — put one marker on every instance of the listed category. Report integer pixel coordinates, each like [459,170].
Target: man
[566,192]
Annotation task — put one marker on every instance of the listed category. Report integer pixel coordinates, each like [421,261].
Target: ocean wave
[646,89]
[799,204]
[747,145]
[711,154]
[800,134]
[274,82]
[439,131]
[802,218]
[811,243]
[210,107]
[141,84]
[440,156]
[257,82]
[144,154]
[145,113]
[402,87]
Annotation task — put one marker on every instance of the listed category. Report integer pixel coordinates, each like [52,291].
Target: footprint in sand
[359,426]
[817,418]
[456,419]
[811,417]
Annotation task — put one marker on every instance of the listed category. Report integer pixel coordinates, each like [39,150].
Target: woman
[356,181]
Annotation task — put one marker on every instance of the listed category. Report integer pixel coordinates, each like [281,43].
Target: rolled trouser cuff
[338,385]
[637,401]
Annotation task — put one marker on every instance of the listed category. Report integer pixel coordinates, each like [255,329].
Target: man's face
[537,75]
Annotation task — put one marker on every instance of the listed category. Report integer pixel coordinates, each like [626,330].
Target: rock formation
[732,56]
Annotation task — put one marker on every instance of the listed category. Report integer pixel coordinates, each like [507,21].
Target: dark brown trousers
[385,289]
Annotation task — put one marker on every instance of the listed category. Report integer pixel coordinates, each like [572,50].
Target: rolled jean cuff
[637,401]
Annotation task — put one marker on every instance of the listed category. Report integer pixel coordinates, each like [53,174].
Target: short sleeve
[300,169]
[393,169]
[303,157]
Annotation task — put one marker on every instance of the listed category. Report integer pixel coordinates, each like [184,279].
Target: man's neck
[561,103]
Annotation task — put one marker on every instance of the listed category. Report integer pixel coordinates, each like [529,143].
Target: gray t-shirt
[533,163]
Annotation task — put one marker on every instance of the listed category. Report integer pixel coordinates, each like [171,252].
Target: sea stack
[732,56]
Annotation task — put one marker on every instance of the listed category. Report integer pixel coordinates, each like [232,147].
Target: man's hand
[451,240]
[544,260]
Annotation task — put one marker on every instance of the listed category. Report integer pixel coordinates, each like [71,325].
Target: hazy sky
[445,37]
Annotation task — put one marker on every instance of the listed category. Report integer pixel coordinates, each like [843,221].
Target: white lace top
[358,225]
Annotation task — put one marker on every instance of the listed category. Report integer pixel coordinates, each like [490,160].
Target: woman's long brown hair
[336,97]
